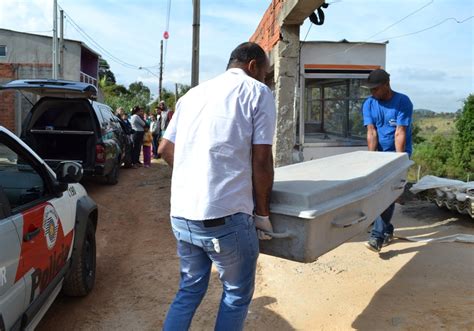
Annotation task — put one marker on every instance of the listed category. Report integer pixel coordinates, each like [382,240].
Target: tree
[105,72]
[463,146]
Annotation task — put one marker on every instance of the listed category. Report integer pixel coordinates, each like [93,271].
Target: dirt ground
[409,286]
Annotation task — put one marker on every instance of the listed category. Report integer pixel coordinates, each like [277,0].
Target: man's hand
[166,150]
[263,224]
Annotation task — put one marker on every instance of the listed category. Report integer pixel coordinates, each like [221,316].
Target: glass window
[333,108]
[3,50]
[19,181]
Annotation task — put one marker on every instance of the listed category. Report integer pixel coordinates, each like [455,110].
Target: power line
[390,26]
[431,27]
[401,20]
[96,44]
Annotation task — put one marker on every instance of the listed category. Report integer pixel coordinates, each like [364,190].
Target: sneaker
[388,239]
[374,244]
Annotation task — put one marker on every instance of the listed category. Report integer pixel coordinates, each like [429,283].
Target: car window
[109,117]
[19,181]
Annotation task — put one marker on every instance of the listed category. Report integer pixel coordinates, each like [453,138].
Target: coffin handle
[346,224]
[280,235]
[400,186]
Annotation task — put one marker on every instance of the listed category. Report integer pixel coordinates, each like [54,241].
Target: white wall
[342,53]
[23,48]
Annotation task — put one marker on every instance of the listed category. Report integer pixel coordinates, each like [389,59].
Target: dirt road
[410,286]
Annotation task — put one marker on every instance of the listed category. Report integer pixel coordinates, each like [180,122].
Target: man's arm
[262,177]
[372,139]
[400,138]
[166,149]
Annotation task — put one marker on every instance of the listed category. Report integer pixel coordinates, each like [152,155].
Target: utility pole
[195,56]
[161,70]
[54,54]
[61,44]
[175,94]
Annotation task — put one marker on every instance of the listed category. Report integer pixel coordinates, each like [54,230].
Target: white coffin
[318,205]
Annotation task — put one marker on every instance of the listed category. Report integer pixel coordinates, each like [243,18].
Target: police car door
[44,249]
[12,293]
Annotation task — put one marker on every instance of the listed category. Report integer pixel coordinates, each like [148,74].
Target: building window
[3,50]
[333,110]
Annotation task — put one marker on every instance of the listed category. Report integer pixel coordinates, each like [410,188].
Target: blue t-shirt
[386,116]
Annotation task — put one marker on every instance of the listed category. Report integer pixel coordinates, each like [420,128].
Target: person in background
[119,112]
[155,129]
[387,116]
[220,155]
[147,143]
[164,116]
[138,125]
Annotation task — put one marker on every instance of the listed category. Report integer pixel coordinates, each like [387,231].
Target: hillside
[432,123]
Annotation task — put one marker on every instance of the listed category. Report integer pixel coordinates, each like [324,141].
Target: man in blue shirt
[387,117]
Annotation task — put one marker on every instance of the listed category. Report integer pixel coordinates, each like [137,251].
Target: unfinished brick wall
[9,106]
[7,98]
[267,33]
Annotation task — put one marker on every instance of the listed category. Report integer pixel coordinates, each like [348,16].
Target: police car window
[19,182]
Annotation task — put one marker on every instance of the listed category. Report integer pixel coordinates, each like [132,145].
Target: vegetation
[116,95]
[444,143]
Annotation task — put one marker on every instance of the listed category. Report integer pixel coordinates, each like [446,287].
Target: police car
[47,234]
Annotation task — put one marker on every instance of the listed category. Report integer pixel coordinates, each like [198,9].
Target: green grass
[439,125]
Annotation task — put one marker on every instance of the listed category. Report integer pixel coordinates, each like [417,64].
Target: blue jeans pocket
[183,248]
[226,253]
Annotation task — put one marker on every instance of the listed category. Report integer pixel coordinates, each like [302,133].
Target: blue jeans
[382,225]
[234,255]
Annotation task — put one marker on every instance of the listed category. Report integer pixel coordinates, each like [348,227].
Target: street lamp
[159,79]
[149,71]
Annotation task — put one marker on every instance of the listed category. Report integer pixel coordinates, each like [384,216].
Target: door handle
[399,186]
[31,234]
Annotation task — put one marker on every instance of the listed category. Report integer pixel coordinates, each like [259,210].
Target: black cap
[377,77]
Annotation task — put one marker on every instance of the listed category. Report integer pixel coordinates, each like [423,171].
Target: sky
[435,67]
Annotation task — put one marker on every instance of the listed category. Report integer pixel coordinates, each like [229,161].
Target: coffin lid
[311,188]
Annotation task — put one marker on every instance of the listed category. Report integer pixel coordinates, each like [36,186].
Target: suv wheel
[112,177]
[127,161]
[81,277]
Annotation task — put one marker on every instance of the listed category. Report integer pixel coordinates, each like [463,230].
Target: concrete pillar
[286,55]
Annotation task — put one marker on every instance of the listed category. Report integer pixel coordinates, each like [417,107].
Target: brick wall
[267,33]
[8,102]
[7,98]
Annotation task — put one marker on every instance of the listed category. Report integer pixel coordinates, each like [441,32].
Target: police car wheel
[112,177]
[81,277]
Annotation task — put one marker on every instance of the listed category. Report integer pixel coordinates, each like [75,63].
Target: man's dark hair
[246,52]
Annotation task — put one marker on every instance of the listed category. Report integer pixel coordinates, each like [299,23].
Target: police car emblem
[50,226]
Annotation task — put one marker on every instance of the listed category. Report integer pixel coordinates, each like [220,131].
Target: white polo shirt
[213,129]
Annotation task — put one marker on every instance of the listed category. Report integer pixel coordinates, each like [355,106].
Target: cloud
[423,74]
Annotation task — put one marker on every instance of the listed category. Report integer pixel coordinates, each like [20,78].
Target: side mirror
[69,172]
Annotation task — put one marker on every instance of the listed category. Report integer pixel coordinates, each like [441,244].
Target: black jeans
[137,139]
[156,137]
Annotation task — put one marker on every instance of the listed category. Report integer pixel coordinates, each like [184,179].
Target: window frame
[38,167]
[308,101]
[6,50]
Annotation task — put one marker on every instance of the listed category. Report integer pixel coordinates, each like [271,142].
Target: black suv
[66,124]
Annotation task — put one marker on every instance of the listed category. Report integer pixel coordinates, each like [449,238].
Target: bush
[450,157]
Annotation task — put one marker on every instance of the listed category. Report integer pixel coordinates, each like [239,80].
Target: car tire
[127,161]
[81,278]
[112,177]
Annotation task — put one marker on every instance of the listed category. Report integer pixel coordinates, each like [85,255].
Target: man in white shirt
[219,143]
